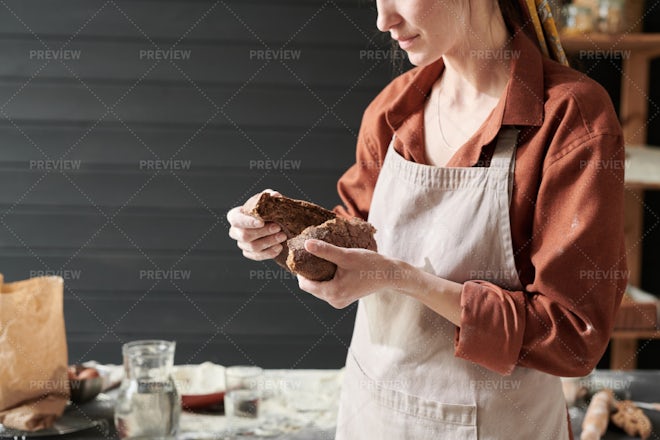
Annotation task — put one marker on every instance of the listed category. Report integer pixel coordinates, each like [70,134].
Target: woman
[488,172]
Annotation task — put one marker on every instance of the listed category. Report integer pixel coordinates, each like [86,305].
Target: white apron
[402,380]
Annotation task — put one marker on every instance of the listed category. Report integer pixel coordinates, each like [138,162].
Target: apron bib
[402,380]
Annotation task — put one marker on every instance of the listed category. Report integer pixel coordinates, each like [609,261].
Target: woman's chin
[421,59]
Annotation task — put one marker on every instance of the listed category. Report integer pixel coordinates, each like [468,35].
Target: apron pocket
[369,409]
[429,410]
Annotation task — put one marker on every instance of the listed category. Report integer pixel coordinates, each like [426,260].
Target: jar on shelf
[611,16]
[577,20]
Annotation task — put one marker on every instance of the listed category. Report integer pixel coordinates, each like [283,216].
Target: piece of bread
[348,233]
[632,420]
[301,220]
[292,215]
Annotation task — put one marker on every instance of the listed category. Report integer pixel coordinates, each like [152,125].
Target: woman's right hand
[258,240]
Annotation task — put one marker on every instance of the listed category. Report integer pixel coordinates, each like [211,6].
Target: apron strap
[504,155]
[505,149]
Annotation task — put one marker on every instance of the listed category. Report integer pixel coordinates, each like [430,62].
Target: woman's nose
[387,15]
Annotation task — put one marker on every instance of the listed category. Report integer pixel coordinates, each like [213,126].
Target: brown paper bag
[34,388]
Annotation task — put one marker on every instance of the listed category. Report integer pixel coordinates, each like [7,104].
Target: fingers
[348,284]
[263,243]
[309,286]
[327,251]
[251,233]
[258,240]
[328,291]
[266,254]
[238,219]
[259,243]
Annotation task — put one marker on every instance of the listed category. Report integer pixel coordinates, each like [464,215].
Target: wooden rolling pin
[598,415]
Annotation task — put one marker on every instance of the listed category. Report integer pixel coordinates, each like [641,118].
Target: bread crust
[301,220]
[292,215]
[348,233]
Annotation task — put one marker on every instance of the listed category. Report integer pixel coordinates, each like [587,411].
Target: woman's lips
[405,43]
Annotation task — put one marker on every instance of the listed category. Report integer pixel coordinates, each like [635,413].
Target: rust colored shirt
[566,212]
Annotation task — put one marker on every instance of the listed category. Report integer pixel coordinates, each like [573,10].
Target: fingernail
[281,237]
[274,228]
[312,245]
[257,223]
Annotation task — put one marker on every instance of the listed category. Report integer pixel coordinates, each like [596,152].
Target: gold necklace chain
[442,133]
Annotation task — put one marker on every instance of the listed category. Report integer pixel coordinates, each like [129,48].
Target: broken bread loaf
[292,215]
[348,233]
[298,216]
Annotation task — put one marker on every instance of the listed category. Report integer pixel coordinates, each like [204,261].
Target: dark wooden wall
[90,131]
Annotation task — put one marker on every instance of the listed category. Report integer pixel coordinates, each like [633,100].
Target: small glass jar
[610,16]
[148,404]
[577,20]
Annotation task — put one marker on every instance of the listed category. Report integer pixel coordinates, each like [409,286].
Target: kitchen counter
[311,417]
[297,405]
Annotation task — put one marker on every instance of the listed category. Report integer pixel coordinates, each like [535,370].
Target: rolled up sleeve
[562,321]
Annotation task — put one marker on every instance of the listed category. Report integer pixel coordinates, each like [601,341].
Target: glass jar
[148,404]
[577,20]
[244,385]
[610,16]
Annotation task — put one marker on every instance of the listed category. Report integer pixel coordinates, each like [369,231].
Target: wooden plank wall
[129,128]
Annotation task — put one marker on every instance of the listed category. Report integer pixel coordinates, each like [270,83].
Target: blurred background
[129,128]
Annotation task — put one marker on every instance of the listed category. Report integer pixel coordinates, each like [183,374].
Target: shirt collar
[525,94]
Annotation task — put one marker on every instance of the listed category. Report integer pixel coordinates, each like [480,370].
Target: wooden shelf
[636,334]
[603,43]
[624,347]
[642,167]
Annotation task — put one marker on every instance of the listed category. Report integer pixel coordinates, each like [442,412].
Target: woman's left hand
[360,272]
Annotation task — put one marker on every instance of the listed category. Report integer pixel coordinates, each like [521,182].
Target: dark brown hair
[513,17]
